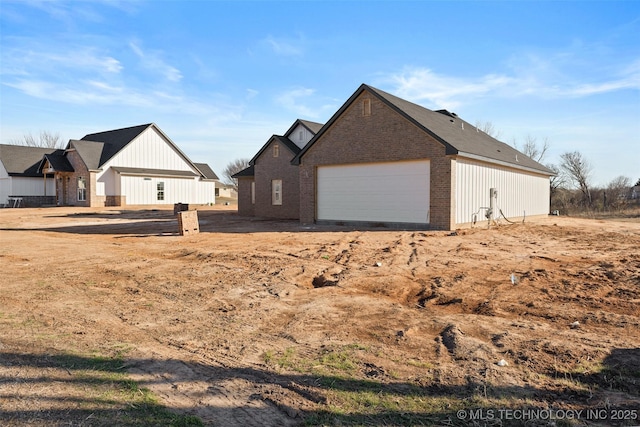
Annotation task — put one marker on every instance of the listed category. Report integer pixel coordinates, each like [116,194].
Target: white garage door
[374,192]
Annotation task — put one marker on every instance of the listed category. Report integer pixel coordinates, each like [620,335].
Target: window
[82,189]
[253,192]
[276,192]
[301,136]
[276,150]
[160,190]
[366,107]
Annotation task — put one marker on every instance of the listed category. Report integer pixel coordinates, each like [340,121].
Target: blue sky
[221,77]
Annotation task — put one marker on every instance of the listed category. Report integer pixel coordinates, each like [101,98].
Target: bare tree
[233,168]
[488,128]
[531,149]
[616,192]
[46,139]
[578,170]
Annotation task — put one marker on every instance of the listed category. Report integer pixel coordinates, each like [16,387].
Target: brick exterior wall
[80,170]
[267,168]
[383,136]
[245,207]
[115,200]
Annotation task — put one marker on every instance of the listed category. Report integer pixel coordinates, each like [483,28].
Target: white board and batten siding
[153,151]
[519,192]
[393,192]
[144,190]
[300,136]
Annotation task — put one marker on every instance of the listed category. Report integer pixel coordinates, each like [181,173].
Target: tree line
[572,191]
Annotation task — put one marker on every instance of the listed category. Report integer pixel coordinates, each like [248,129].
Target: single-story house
[270,186]
[20,180]
[227,191]
[383,160]
[138,165]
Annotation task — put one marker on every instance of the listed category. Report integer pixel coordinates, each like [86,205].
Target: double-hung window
[82,189]
[276,192]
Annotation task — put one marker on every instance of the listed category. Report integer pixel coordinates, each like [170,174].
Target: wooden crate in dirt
[188,223]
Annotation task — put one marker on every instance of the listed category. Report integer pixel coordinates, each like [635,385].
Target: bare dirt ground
[256,322]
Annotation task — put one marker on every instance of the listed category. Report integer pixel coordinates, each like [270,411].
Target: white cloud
[533,77]
[291,101]
[285,47]
[151,60]
[28,58]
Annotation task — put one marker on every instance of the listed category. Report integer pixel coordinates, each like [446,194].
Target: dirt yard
[269,323]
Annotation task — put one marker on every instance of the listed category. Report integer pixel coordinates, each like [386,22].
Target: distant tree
[531,148]
[617,191]
[489,129]
[578,170]
[233,168]
[46,139]
[558,180]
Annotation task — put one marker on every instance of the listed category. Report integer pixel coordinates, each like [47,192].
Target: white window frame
[160,191]
[276,192]
[253,192]
[82,189]
[276,150]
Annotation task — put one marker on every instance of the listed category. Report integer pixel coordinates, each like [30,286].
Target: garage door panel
[376,192]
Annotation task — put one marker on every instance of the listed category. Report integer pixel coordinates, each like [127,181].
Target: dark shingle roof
[312,126]
[109,143]
[207,172]
[283,140]
[458,136]
[20,160]
[245,173]
[58,162]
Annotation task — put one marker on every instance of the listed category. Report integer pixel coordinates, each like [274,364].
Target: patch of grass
[341,360]
[110,396]
[420,364]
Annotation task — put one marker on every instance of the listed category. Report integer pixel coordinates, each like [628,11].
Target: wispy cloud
[305,103]
[285,46]
[23,57]
[291,100]
[537,79]
[151,60]
[424,85]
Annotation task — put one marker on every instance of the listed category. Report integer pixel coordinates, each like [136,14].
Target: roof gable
[96,149]
[279,139]
[312,127]
[20,160]
[456,135]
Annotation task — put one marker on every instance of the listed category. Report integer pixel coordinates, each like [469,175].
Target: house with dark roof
[20,179]
[383,160]
[270,186]
[138,165]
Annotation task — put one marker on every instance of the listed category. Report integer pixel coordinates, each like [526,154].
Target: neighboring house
[383,160]
[19,176]
[270,186]
[138,165]
[226,191]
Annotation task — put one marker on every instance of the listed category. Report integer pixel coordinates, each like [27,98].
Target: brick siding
[383,136]
[245,207]
[268,168]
